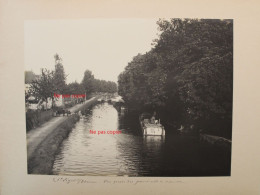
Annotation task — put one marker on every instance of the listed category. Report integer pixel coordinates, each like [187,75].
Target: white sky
[104,46]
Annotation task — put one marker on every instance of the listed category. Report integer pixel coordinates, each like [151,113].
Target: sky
[103,46]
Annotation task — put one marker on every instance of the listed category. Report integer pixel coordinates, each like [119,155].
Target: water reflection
[130,153]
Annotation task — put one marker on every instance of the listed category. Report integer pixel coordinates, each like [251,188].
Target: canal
[131,154]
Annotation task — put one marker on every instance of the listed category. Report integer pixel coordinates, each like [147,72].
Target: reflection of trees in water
[129,123]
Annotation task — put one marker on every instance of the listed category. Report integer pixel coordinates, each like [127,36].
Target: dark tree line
[187,76]
[49,82]
[90,84]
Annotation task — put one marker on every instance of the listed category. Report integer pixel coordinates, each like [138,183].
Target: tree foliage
[88,81]
[74,88]
[43,87]
[104,86]
[188,74]
[90,84]
[59,77]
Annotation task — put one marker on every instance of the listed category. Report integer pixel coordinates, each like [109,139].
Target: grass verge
[41,161]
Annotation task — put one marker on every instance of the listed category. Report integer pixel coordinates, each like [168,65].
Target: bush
[34,118]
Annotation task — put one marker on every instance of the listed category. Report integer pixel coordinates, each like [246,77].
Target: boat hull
[152,129]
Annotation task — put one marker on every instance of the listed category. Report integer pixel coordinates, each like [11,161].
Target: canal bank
[43,142]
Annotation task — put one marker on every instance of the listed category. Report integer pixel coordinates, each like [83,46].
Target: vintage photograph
[129,97]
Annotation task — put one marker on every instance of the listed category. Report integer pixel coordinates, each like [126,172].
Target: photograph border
[245,169]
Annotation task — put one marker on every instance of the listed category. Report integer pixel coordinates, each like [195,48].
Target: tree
[199,56]
[88,82]
[59,75]
[43,87]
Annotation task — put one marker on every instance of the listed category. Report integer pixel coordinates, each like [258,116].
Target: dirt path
[37,135]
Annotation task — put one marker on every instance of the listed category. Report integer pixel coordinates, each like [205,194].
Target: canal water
[130,153]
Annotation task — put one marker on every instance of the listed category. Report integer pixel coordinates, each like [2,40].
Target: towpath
[37,135]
